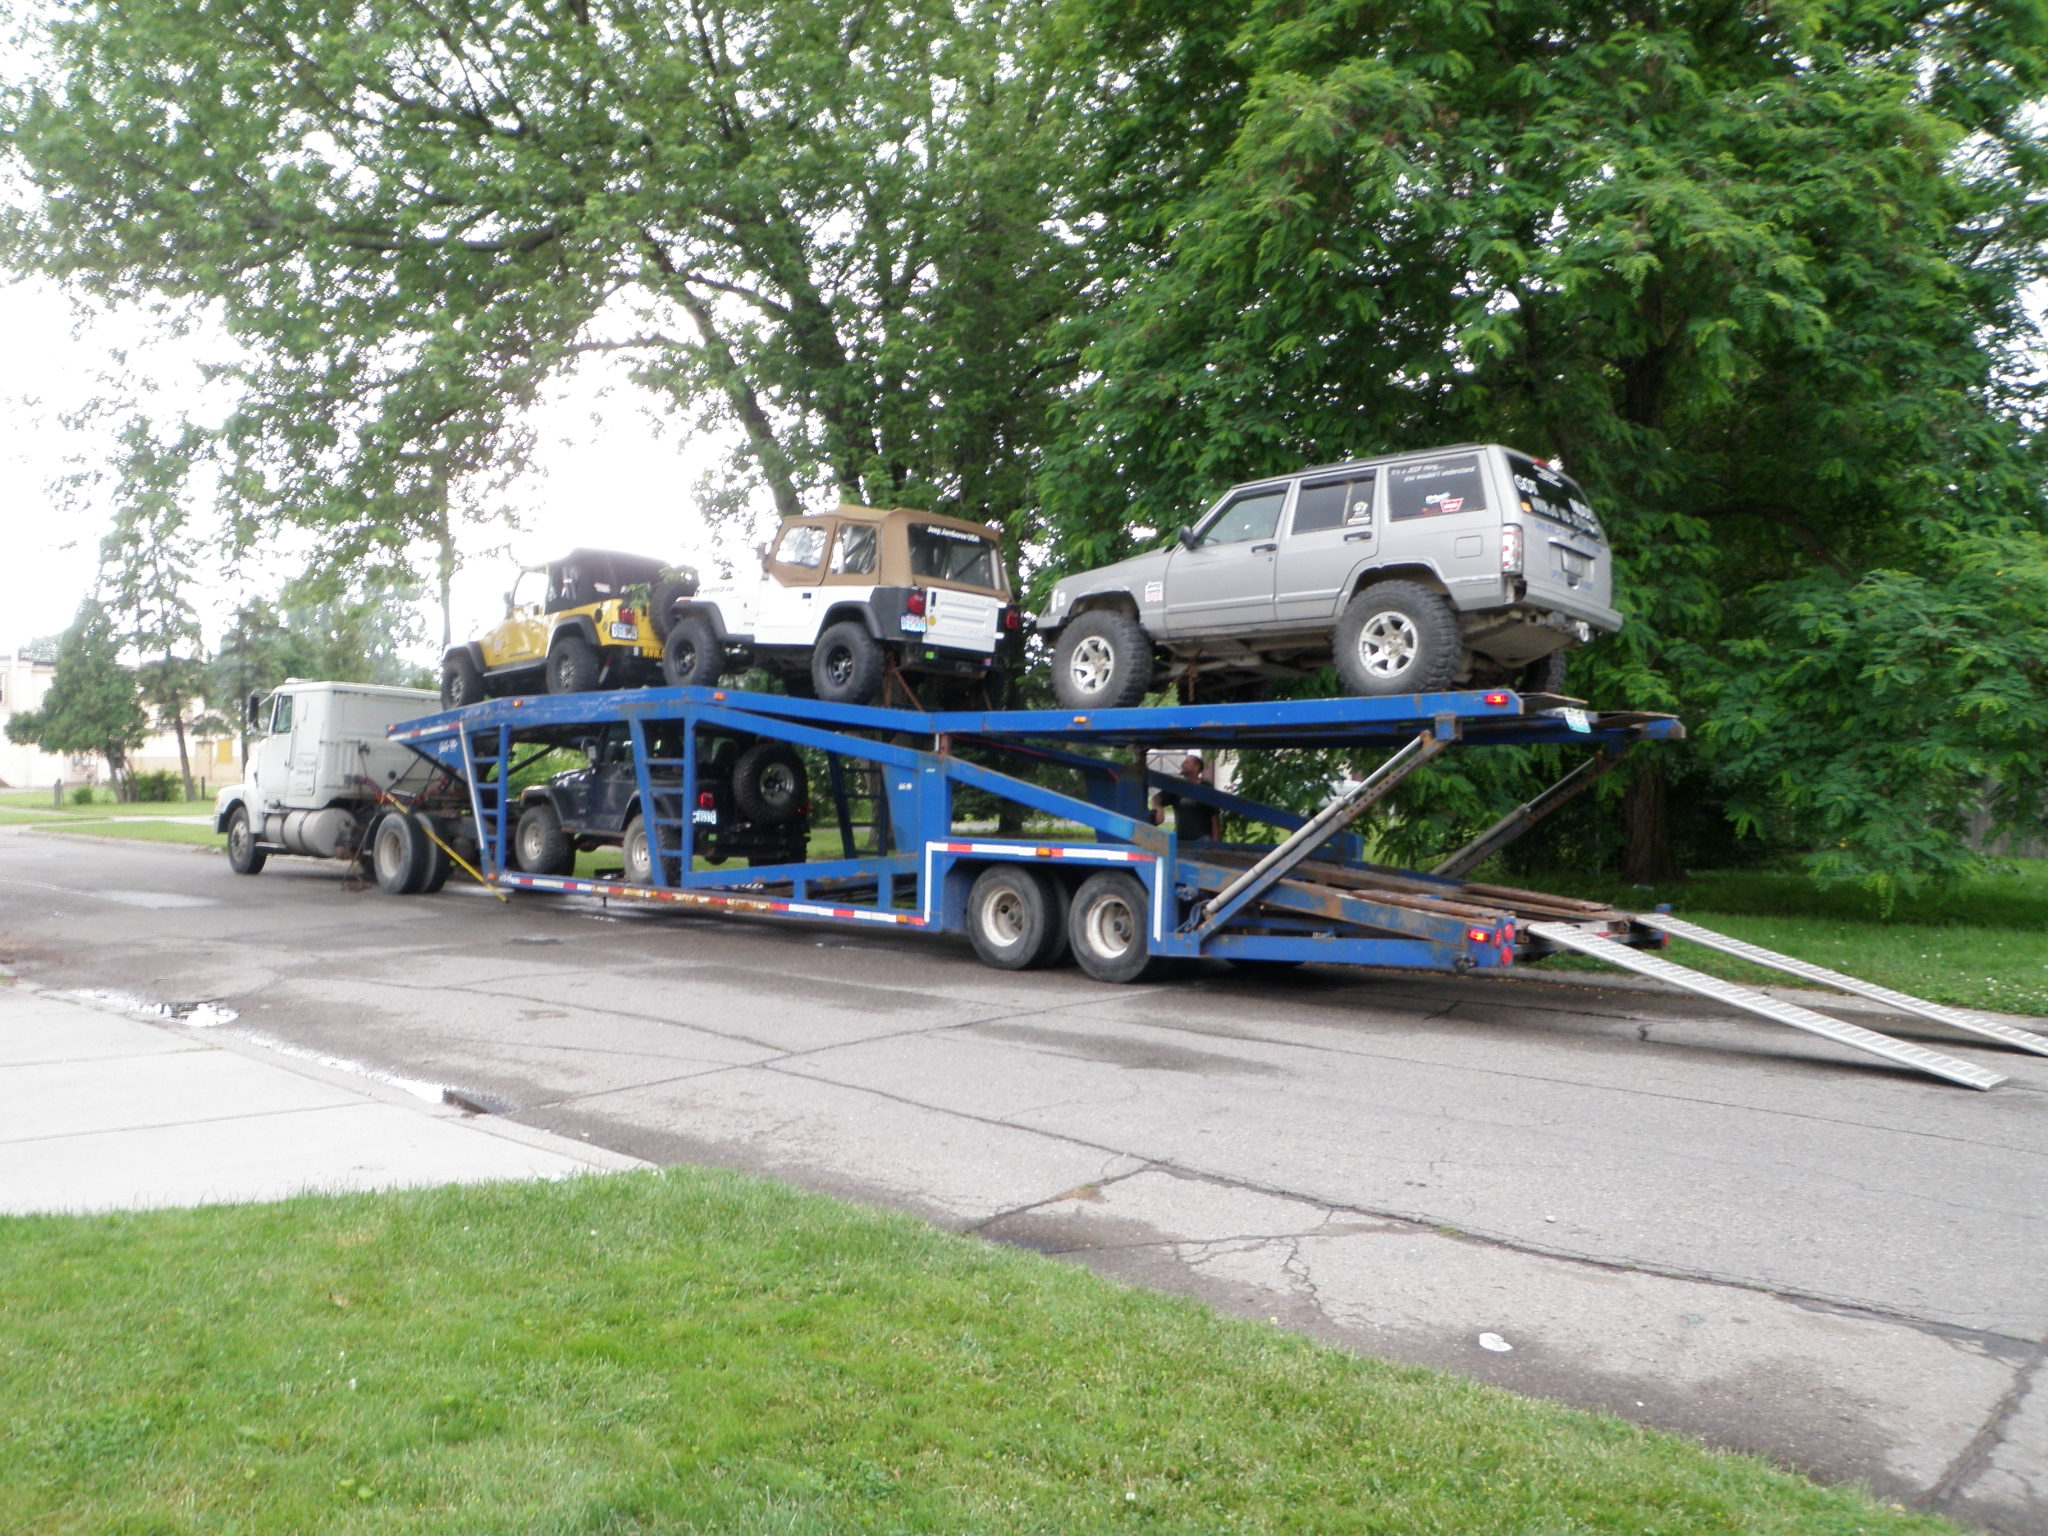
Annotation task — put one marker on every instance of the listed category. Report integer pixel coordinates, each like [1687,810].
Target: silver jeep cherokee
[1474,565]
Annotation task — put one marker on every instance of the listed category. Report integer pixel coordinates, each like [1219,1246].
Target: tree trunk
[1646,821]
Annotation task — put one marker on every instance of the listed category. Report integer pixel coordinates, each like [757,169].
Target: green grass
[25,806]
[140,831]
[698,1352]
[1979,944]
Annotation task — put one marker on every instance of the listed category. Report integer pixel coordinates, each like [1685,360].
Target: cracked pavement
[1681,1215]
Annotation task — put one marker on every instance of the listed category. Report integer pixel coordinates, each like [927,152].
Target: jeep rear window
[1436,488]
[1333,503]
[1552,494]
[950,554]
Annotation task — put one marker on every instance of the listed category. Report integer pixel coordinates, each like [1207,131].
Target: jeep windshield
[954,555]
[1552,494]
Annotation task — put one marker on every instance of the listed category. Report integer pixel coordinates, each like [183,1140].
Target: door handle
[1356,534]
[1264,549]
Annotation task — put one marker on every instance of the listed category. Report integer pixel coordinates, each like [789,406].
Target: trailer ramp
[1955,1018]
[1855,1036]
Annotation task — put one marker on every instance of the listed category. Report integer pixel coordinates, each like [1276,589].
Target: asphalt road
[1662,1209]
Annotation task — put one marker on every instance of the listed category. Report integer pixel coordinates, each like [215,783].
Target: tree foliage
[1755,274]
[821,221]
[93,706]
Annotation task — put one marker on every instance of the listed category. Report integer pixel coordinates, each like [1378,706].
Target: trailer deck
[1122,893]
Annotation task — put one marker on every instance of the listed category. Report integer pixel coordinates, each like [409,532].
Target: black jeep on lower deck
[752,802]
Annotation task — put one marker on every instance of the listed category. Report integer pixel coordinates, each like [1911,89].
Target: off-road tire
[244,857]
[1102,660]
[661,607]
[1017,917]
[461,683]
[769,784]
[636,852]
[1544,675]
[847,666]
[1107,926]
[398,854]
[573,665]
[691,654]
[543,847]
[1397,637]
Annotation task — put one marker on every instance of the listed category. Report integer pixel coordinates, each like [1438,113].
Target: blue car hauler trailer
[1112,889]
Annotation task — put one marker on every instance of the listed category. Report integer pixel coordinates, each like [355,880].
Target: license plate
[625,631]
[914,624]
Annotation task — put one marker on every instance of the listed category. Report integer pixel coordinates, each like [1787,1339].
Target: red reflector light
[706,801]
[1012,619]
[627,616]
[1478,935]
[914,603]
[1496,700]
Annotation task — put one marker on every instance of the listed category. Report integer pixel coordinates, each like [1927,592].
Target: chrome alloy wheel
[1388,643]
[1093,665]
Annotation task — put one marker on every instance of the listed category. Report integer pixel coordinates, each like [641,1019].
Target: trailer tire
[848,665]
[543,846]
[1102,660]
[661,607]
[439,866]
[573,665]
[244,857]
[461,683]
[635,852]
[1017,917]
[769,784]
[1106,925]
[691,655]
[398,854]
[1397,637]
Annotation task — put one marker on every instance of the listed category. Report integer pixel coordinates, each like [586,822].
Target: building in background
[23,685]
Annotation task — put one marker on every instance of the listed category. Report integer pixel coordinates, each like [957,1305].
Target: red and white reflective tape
[768,904]
[1045,851]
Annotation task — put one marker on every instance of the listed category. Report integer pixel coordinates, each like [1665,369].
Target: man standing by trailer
[1194,821]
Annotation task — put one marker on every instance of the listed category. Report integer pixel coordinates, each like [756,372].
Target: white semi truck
[322,753]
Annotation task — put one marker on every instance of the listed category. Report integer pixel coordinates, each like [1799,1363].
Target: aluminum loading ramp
[1919,1058]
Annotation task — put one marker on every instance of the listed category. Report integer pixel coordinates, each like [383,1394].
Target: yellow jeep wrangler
[571,625]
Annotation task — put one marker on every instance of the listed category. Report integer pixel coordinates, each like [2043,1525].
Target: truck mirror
[1186,535]
[762,551]
[256,710]
[508,605]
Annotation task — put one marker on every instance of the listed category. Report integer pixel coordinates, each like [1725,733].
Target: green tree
[1754,274]
[93,705]
[827,223]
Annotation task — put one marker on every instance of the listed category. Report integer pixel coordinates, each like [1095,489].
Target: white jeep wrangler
[846,596]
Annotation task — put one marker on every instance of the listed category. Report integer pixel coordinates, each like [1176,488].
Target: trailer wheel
[1102,660]
[1397,637]
[1107,926]
[573,665]
[635,852]
[398,854]
[461,683]
[1017,917]
[244,857]
[691,656]
[439,866]
[847,666]
[769,784]
[543,845]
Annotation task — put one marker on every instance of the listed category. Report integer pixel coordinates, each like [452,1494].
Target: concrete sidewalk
[101,1110]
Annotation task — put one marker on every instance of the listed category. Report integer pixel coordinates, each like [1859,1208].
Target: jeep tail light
[914,603]
[1511,550]
[1012,618]
[627,616]
[706,801]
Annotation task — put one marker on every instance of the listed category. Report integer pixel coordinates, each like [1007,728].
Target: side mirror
[255,710]
[1186,535]
[762,551]
[508,605]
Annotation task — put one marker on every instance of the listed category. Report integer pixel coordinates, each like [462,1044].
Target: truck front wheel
[1102,660]
[1397,637]
[1107,927]
[244,857]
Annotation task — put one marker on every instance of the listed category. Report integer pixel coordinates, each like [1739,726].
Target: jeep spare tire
[1102,660]
[769,784]
[691,655]
[662,607]
[1397,637]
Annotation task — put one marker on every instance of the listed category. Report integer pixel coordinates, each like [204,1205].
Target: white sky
[614,482]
